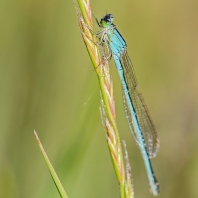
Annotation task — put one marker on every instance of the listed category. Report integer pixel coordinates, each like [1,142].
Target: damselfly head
[106,20]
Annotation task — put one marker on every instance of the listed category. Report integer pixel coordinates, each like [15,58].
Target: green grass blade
[55,178]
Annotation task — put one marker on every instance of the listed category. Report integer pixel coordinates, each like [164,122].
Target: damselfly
[139,120]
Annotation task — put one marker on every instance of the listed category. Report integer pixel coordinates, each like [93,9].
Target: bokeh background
[47,83]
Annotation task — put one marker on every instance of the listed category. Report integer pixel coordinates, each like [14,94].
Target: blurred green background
[47,83]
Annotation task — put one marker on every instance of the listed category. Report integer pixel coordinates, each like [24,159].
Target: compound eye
[111,18]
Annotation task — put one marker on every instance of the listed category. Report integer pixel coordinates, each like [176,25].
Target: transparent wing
[144,118]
